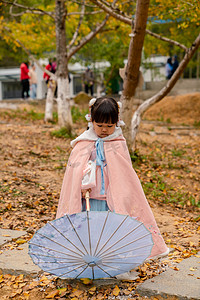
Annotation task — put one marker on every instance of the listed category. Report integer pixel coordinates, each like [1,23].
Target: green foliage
[109,47]
[179,21]
[10,56]
[40,29]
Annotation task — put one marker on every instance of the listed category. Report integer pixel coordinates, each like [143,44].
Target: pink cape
[125,194]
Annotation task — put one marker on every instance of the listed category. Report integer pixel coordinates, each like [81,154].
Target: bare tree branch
[87,38]
[28,9]
[165,90]
[86,13]
[117,15]
[78,26]
[165,39]
[188,3]
[78,2]
[126,19]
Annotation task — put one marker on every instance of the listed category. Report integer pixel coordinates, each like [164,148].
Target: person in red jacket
[24,79]
[45,75]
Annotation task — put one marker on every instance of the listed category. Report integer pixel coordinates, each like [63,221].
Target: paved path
[16,261]
[183,284]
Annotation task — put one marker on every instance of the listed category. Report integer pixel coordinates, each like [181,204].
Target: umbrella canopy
[90,244]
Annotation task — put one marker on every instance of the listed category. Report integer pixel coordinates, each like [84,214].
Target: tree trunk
[133,65]
[63,99]
[164,91]
[64,108]
[49,101]
[198,64]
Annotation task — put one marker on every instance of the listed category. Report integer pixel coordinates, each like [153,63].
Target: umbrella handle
[87,198]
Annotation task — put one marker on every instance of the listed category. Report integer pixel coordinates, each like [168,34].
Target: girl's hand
[83,192]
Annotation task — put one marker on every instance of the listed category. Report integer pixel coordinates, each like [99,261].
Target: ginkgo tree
[42,26]
[185,14]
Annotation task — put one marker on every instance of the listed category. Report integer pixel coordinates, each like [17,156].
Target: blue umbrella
[91,244]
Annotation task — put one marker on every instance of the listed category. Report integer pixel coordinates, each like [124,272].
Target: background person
[88,80]
[175,64]
[49,68]
[168,68]
[33,82]
[24,77]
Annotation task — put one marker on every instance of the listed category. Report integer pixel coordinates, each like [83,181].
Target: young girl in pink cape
[100,162]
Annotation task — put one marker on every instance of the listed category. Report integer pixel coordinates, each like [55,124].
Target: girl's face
[103,130]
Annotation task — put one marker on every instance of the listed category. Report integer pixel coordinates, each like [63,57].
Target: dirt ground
[33,164]
[181,109]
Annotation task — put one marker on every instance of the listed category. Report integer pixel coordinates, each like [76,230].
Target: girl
[100,162]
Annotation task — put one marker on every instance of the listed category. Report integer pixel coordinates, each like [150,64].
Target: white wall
[1,98]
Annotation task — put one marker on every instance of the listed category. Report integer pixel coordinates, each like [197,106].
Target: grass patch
[78,114]
[197,124]
[168,120]
[178,152]
[137,158]
[60,149]
[62,133]
[158,189]
[7,189]
[23,114]
[35,115]
[183,199]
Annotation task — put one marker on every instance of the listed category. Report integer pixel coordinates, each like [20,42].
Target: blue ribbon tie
[100,158]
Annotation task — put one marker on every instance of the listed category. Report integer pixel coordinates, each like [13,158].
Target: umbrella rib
[58,244]
[66,238]
[72,270]
[59,262]
[64,262]
[114,268]
[112,235]
[65,267]
[77,234]
[124,237]
[103,270]
[81,272]
[101,232]
[88,222]
[107,255]
[121,262]
[51,250]
[105,259]
[53,256]
[125,245]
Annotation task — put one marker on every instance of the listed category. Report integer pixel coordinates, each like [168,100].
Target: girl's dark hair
[105,110]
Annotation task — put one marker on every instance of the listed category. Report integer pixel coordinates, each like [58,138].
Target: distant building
[10,85]
[153,68]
